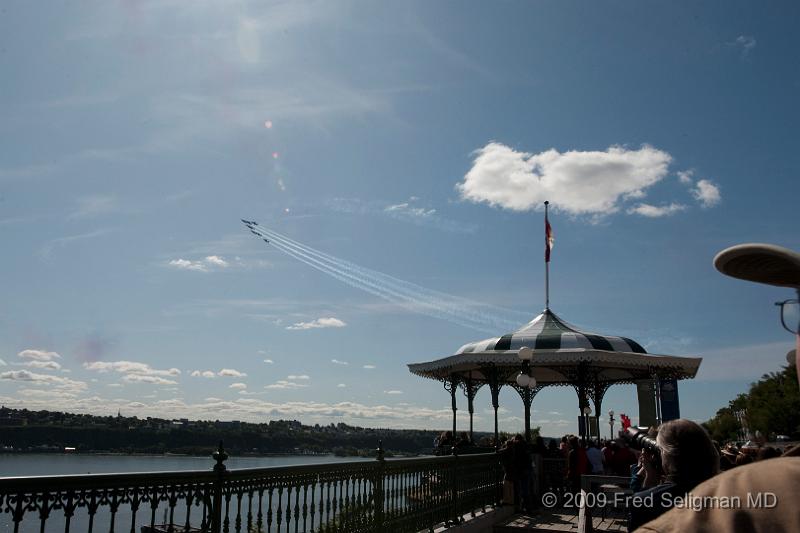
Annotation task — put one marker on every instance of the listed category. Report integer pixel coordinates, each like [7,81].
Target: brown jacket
[710,510]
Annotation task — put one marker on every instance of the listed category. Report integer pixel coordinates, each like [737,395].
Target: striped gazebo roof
[559,350]
[548,332]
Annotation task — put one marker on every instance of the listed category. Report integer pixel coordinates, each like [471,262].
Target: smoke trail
[483,314]
[408,302]
[413,297]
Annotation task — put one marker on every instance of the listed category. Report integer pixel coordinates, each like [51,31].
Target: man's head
[772,265]
[688,457]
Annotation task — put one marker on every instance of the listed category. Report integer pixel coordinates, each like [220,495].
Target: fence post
[378,494]
[499,477]
[454,487]
[220,469]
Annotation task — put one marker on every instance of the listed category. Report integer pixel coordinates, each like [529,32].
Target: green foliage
[772,405]
[724,426]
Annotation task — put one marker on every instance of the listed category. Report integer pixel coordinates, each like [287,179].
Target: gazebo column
[493,378]
[451,386]
[527,400]
[581,387]
[596,392]
[470,389]
[527,395]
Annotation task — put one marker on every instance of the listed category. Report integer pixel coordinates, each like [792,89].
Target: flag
[548,239]
[626,421]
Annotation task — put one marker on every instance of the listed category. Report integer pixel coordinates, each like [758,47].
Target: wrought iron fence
[361,496]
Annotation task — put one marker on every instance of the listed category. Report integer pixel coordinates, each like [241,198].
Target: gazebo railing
[360,496]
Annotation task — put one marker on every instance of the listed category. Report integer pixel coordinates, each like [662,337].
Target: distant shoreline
[166,454]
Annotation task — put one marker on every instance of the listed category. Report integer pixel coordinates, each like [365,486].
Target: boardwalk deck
[559,520]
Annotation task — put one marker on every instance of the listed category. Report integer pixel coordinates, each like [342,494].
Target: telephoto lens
[637,438]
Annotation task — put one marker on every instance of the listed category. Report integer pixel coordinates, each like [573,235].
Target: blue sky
[417,140]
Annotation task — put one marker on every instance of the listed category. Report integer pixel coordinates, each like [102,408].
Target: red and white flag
[548,239]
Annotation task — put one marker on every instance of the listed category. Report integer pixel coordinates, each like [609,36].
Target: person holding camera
[766,491]
[681,457]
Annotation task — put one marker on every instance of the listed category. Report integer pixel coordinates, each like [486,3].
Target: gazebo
[562,355]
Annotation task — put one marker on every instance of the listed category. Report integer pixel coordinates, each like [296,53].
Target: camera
[637,438]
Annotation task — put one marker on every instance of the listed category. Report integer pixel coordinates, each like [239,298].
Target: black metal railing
[361,496]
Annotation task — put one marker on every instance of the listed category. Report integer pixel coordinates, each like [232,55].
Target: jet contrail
[483,314]
[467,313]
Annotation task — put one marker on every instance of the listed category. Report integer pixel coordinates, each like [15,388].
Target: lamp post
[587,411]
[528,383]
[611,422]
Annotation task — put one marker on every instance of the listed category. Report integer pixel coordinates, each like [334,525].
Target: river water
[58,464]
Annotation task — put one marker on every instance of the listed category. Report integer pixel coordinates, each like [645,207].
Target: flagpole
[546,264]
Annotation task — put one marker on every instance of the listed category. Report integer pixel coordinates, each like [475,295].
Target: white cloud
[231,373]
[38,355]
[43,365]
[225,373]
[707,193]
[207,264]
[746,43]
[43,379]
[393,392]
[329,322]
[3,363]
[240,386]
[653,211]
[685,176]
[283,384]
[406,210]
[48,394]
[185,264]
[341,385]
[269,361]
[337,362]
[578,183]
[403,211]
[129,367]
[301,377]
[216,261]
[143,378]
[369,367]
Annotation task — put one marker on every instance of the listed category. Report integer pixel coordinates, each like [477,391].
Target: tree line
[771,406]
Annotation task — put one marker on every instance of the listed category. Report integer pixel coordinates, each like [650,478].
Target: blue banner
[670,407]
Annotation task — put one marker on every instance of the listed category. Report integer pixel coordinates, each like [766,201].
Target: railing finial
[220,456]
[379,451]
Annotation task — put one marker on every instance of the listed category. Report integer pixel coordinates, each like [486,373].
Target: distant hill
[31,431]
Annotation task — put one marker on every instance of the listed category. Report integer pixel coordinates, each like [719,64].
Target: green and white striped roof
[548,332]
[557,348]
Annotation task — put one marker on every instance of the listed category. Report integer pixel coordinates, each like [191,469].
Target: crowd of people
[447,440]
[515,455]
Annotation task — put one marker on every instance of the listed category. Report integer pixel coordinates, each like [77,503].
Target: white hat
[762,263]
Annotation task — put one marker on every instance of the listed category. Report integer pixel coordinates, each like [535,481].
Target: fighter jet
[266,241]
[250,222]
[255,233]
